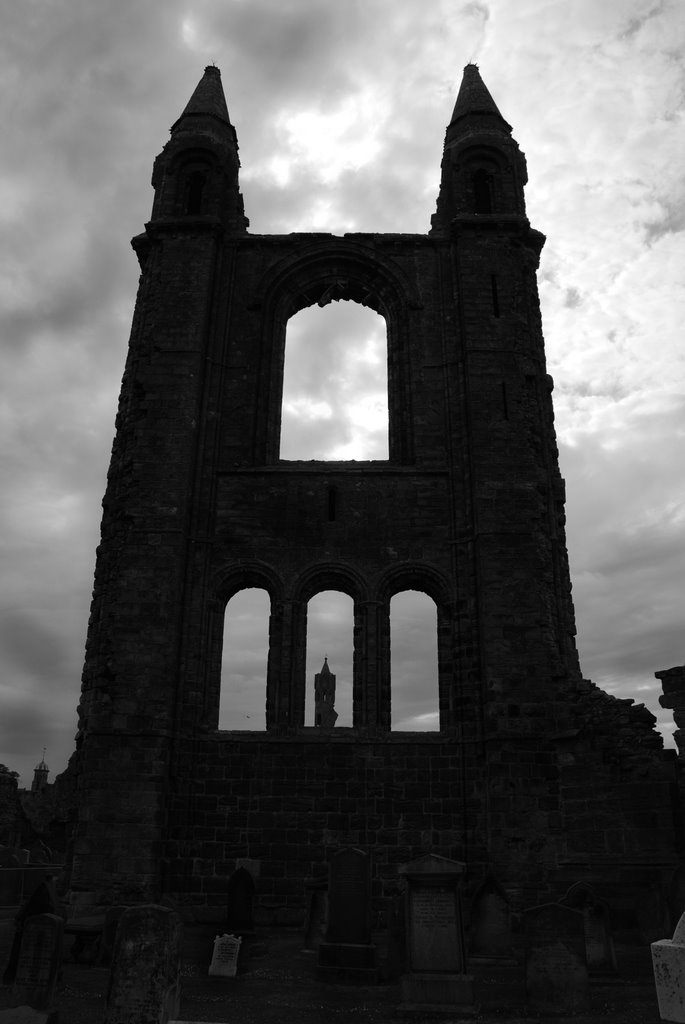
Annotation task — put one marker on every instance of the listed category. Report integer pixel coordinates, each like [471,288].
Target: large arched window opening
[335,384]
[414,702]
[244,659]
[330,636]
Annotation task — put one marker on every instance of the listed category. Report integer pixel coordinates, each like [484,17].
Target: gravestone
[144,986]
[491,937]
[41,901]
[668,962]
[556,966]
[40,958]
[225,956]
[316,917]
[435,978]
[240,897]
[599,942]
[347,953]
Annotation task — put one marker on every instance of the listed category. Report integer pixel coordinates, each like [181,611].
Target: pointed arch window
[414,662]
[335,384]
[245,654]
[330,624]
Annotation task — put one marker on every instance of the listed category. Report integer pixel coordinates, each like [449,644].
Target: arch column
[372,694]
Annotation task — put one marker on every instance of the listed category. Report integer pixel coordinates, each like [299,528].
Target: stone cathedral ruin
[536,778]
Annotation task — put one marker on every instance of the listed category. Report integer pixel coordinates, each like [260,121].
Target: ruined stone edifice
[535,777]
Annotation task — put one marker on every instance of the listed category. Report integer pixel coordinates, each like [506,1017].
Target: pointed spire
[324,668]
[208,97]
[474,98]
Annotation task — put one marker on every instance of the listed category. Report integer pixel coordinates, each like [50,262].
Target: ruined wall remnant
[533,776]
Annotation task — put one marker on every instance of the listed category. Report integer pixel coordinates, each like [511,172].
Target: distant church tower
[525,772]
[40,775]
[325,714]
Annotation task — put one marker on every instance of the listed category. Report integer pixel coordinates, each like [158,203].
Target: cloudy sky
[340,109]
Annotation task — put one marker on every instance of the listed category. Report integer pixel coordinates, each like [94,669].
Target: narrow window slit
[505,405]
[495,296]
[331,495]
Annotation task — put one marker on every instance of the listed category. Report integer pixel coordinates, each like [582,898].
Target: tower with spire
[325,715]
[40,775]
[199,506]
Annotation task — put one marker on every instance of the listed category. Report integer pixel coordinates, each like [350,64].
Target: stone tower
[528,776]
[40,776]
[325,714]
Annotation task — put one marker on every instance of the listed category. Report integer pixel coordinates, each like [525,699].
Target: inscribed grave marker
[225,956]
[40,957]
[435,978]
[556,966]
[668,963]
[349,898]
[144,985]
[347,953]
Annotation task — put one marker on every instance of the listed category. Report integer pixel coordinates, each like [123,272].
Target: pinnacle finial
[208,97]
[474,97]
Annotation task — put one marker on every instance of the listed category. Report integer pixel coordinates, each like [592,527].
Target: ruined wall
[534,776]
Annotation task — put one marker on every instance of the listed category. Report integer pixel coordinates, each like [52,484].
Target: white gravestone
[225,956]
[668,961]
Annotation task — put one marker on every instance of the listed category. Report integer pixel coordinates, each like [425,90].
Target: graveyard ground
[277,984]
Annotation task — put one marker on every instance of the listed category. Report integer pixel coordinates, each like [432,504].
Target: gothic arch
[330,576]
[414,576]
[314,580]
[321,273]
[226,583]
[427,580]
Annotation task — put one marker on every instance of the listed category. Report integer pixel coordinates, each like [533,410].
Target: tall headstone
[240,898]
[668,962]
[556,965]
[144,980]
[435,978]
[40,957]
[491,937]
[599,942]
[347,953]
[42,900]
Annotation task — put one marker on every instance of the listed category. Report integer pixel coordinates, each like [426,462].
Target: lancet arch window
[193,172]
[325,275]
[335,386]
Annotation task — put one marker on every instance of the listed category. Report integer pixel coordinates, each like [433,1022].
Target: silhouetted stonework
[535,776]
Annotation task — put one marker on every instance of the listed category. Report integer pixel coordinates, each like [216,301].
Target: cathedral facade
[534,776]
